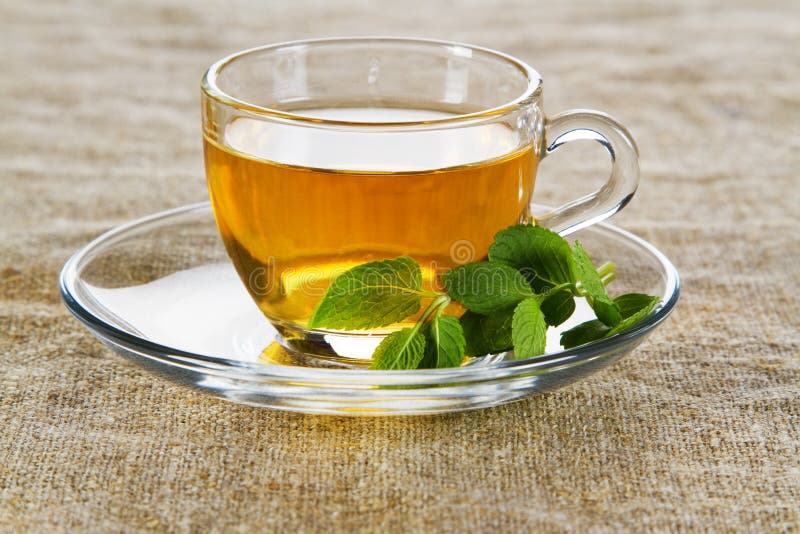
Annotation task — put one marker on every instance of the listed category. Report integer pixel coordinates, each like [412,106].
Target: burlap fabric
[697,430]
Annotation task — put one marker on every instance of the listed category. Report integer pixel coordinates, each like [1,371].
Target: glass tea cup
[325,154]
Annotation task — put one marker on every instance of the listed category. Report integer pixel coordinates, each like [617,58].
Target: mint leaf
[584,333]
[487,334]
[636,316]
[558,306]
[633,308]
[403,349]
[371,295]
[631,303]
[444,343]
[543,256]
[486,287]
[605,309]
[528,329]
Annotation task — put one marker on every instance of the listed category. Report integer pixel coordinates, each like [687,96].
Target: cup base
[312,348]
[339,350]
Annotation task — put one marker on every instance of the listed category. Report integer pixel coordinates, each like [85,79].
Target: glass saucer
[161,292]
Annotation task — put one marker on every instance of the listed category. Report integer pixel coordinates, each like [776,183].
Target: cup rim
[212,90]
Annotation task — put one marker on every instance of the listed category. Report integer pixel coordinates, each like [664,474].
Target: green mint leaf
[486,287]
[631,303]
[487,334]
[584,333]
[528,329]
[633,307]
[444,343]
[558,306]
[605,309]
[400,350]
[543,256]
[371,295]
[637,315]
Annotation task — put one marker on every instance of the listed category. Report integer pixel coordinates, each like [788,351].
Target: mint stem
[608,278]
[439,303]
[556,289]
[607,272]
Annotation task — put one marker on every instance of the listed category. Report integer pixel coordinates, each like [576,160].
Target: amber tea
[298,206]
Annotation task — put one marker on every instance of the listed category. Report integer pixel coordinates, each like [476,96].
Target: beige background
[696,430]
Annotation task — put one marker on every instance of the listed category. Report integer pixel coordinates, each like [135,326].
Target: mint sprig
[529,283]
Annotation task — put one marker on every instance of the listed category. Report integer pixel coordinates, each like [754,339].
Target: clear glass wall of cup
[325,154]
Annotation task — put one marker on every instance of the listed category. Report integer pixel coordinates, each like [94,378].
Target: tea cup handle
[620,186]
